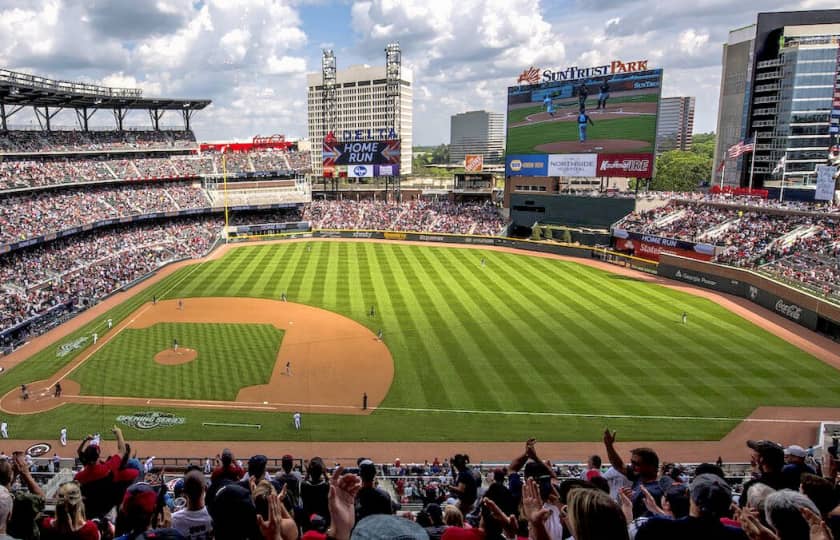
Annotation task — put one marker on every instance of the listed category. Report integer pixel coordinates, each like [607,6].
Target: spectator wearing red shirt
[103,482]
[228,469]
[69,522]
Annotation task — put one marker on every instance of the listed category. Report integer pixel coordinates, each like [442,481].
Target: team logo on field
[38,449]
[150,420]
[67,348]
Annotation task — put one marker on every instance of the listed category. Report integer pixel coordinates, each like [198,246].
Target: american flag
[742,147]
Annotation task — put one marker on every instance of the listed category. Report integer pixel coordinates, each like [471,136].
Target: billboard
[473,163]
[385,152]
[601,114]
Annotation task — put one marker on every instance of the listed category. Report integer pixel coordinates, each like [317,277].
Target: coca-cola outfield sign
[625,165]
[791,311]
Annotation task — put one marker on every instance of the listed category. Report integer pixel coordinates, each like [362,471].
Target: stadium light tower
[393,74]
[329,101]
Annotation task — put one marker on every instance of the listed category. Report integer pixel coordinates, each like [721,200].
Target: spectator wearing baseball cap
[767,460]
[437,527]
[370,499]
[140,515]
[710,499]
[103,481]
[795,465]
[69,521]
[379,526]
[234,514]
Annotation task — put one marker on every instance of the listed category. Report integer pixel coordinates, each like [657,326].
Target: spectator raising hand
[279,525]
[342,500]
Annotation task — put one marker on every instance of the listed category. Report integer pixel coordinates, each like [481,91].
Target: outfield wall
[568,250]
[808,310]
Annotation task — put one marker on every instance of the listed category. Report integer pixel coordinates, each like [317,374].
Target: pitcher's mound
[171,357]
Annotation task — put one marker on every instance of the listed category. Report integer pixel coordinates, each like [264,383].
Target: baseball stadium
[197,299]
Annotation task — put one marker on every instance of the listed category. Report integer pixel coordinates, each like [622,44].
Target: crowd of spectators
[789,495]
[89,266]
[92,141]
[33,214]
[812,259]
[46,171]
[414,215]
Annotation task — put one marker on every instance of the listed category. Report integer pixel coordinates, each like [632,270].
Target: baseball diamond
[549,347]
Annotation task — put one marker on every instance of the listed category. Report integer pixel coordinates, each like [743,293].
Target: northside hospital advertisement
[584,122]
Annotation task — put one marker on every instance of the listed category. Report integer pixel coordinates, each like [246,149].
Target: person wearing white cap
[795,464]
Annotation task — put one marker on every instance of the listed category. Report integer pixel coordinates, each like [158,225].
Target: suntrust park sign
[533,75]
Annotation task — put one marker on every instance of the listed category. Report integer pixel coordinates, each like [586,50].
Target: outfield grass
[525,139]
[476,347]
[230,357]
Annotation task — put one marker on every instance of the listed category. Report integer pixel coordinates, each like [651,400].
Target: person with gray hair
[782,510]
[756,496]
[6,503]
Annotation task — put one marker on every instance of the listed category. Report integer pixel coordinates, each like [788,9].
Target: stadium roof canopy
[34,91]
[19,90]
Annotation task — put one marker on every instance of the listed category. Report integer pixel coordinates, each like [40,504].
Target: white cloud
[250,56]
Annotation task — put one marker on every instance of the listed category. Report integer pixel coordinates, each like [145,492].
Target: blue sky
[251,56]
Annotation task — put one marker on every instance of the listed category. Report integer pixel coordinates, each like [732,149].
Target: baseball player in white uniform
[95,440]
[110,323]
[95,337]
[4,430]
[63,436]
[296,418]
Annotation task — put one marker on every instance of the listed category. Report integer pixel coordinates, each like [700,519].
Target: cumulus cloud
[250,56]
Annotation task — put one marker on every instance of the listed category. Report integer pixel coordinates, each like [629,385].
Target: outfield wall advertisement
[607,113]
[750,286]
[648,246]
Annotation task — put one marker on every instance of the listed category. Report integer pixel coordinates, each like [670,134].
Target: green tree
[681,171]
[703,144]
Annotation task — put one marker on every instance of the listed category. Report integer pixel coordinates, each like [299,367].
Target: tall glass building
[792,105]
[779,78]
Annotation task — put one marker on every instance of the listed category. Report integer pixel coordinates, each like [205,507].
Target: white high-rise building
[675,124]
[477,132]
[360,98]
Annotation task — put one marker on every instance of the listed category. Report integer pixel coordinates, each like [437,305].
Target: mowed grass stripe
[581,350]
[585,340]
[472,362]
[647,354]
[248,281]
[446,365]
[516,371]
[420,379]
[544,354]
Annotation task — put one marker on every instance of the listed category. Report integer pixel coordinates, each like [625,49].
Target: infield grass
[524,346]
[230,356]
[525,139]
